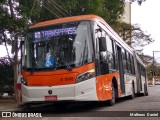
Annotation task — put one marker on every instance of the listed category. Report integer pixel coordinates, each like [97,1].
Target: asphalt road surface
[124,109]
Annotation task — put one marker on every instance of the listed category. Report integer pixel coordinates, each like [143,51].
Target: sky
[148,17]
[3,52]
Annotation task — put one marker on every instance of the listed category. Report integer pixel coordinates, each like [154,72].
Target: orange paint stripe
[69,19]
[103,86]
[52,78]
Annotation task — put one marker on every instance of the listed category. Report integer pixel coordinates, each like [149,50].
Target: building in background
[127,12]
[126,17]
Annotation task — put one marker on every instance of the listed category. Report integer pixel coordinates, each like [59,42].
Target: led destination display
[55,32]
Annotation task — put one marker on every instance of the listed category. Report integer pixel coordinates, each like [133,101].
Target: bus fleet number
[67,79]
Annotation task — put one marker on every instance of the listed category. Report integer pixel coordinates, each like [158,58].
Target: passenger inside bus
[49,60]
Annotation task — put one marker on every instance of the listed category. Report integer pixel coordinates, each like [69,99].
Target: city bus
[79,58]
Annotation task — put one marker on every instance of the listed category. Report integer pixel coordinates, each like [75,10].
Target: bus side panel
[103,86]
[129,79]
[143,82]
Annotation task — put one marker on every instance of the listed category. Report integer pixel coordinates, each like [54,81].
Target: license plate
[51,98]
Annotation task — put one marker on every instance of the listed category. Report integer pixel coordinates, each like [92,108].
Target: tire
[113,100]
[61,106]
[26,106]
[132,96]
[145,91]
[1,94]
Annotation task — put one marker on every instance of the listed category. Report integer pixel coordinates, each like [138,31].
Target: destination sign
[55,32]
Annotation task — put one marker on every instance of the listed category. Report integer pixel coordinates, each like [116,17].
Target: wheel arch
[114,81]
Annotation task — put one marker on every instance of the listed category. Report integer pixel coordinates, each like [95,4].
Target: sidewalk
[8,104]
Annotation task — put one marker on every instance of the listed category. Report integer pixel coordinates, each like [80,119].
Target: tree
[10,22]
[140,38]
[41,10]
[6,76]
[133,35]
[150,72]
[138,1]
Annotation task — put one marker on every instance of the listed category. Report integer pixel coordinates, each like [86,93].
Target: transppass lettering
[55,32]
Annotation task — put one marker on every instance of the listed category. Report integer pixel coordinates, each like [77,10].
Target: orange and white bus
[79,58]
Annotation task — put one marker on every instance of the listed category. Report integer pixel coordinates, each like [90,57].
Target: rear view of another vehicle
[157,83]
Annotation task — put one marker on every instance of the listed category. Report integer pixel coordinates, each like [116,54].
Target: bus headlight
[24,81]
[86,75]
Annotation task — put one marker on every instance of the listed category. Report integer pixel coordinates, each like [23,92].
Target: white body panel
[143,83]
[128,84]
[83,91]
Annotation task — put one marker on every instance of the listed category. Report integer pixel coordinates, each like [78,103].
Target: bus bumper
[83,91]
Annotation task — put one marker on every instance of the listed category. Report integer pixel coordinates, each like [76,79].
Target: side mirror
[102,44]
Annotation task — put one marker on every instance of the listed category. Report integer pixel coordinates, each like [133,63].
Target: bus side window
[102,45]
[103,53]
[133,67]
[125,61]
[110,51]
[114,55]
[130,65]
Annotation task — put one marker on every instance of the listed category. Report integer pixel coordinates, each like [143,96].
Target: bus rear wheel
[112,101]
[133,93]
[145,91]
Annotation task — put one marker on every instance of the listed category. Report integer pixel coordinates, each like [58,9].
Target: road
[97,110]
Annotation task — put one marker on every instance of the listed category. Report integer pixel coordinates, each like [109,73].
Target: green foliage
[33,11]
[80,7]
[138,1]
[150,71]
[107,9]
[6,71]
[6,75]
[133,35]
[41,10]
[114,10]
[140,38]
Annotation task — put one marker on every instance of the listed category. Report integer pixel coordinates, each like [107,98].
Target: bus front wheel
[112,101]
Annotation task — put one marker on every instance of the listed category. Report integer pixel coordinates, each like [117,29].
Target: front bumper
[83,91]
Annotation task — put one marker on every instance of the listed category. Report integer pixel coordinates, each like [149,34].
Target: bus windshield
[58,46]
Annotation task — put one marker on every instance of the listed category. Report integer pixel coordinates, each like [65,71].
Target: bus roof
[68,19]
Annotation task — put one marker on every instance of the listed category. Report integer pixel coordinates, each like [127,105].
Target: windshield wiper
[59,53]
